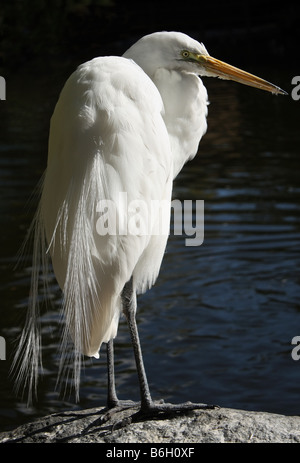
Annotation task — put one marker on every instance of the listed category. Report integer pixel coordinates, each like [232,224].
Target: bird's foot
[121,413]
[161,409]
[120,405]
[118,414]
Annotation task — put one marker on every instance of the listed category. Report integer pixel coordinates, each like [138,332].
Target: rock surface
[211,426]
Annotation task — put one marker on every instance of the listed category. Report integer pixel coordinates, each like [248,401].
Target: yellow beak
[217,68]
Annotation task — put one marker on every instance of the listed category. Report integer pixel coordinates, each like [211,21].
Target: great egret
[122,125]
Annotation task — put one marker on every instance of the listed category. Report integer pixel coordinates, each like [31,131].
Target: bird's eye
[185,54]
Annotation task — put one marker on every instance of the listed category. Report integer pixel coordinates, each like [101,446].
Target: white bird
[122,129]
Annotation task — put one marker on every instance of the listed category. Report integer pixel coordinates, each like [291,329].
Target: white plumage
[123,127]
[104,148]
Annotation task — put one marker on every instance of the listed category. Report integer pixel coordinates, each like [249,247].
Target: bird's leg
[129,309]
[112,399]
[113,403]
[148,407]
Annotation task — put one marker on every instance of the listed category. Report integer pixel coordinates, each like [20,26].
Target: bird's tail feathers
[80,293]
[27,361]
[85,318]
[89,313]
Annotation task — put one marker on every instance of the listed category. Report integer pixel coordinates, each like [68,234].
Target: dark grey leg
[129,309]
[112,399]
[113,403]
[148,407]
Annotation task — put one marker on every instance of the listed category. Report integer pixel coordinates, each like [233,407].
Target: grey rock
[212,426]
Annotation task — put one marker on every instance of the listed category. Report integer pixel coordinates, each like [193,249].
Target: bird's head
[178,51]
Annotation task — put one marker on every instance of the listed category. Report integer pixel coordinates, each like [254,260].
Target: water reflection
[218,324]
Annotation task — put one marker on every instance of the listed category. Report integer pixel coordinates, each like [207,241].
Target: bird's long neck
[185,105]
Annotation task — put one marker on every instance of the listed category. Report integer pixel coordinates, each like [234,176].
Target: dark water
[217,327]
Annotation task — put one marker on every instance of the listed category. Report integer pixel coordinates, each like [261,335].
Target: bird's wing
[109,153]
